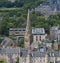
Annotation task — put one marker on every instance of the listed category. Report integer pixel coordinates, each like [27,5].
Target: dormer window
[21,53]
[52,54]
[31,54]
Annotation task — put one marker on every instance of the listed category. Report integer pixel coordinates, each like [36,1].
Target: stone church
[37,54]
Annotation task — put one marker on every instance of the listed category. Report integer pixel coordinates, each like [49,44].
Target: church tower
[28,34]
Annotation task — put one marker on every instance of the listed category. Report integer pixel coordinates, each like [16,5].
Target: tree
[17,60]
[21,42]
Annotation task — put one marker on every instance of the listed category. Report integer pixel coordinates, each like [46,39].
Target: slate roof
[37,54]
[53,54]
[57,61]
[17,29]
[58,32]
[23,52]
[34,30]
[38,31]
[6,41]
[59,28]
[54,28]
[9,50]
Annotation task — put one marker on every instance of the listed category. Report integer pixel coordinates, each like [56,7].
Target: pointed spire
[28,34]
[28,26]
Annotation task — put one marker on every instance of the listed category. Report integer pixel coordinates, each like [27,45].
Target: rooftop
[6,41]
[54,28]
[23,52]
[9,50]
[34,30]
[38,31]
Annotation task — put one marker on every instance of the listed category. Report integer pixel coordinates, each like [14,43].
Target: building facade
[38,56]
[39,34]
[58,32]
[53,33]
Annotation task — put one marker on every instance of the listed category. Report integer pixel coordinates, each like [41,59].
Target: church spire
[28,25]
[28,34]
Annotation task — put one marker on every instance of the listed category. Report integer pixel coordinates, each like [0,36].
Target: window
[40,38]
[36,38]
[40,60]
[21,53]
[44,60]
[16,32]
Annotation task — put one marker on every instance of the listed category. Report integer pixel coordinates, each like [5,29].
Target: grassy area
[9,9]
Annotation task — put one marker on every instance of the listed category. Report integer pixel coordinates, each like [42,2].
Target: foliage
[20,3]
[13,37]
[17,18]
[17,60]
[52,41]
[15,13]
[1,61]
[21,42]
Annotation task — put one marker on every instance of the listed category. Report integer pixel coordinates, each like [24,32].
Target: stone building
[48,7]
[10,55]
[7,42]
[53,33]
[19,32]
[55,45]
[39,35]
[58,32]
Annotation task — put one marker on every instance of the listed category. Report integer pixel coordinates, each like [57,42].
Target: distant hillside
[20,3]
